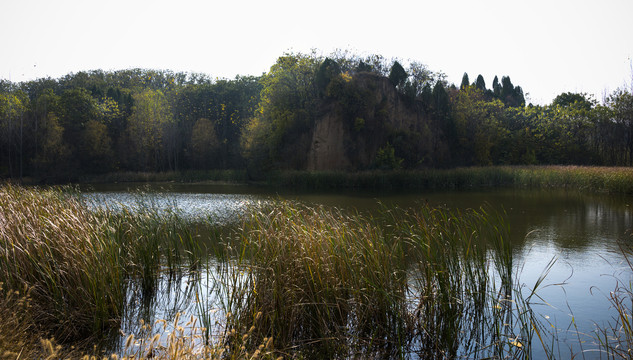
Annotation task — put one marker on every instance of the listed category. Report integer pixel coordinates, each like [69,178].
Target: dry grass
[16,324]
[51,244]
[333,284]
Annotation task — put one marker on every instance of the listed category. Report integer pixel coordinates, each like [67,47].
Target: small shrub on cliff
[386,158]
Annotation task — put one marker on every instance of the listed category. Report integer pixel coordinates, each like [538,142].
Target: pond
[569,240]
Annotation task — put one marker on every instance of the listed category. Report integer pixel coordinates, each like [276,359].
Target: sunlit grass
[54,246]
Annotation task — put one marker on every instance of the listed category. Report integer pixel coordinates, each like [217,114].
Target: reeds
[616,337]
[16,325]
[594,179]
[323,283]
[335,284]
[78,262]
[50,244]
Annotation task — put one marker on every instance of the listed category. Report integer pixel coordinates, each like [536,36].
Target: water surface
[581,234]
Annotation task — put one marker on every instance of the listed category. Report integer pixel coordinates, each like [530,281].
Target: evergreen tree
[507,89]
[398,75]
[364,67]
[465,82]
[519,97]
[480,83]
[326,72]
[496,87]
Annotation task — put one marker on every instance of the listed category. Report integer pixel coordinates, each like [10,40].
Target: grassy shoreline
[616,180]
[593,179]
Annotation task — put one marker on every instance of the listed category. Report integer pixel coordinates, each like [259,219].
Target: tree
[496,87]
[13,108]
[364,67]
[96,147]
[478,126]
[480,83]
[444,125]
[621,104]
[386,158]
[420,76]
[465,82]
[397,75]
[328,70]
[507,88]
[205,144]
[288,106]
[441,102]
[53,156]
[568,99]
[507,93]
[145,129]
[76,107]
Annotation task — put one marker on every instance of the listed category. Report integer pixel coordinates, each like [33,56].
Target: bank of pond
[616,180]
[234,273]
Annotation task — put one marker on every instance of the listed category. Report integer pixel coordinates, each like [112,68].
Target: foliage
[397,75]
[204,143]
[465,82]
[328,70]
[151,115]
[386,158]
[286,111]
[568,99]
[91,122]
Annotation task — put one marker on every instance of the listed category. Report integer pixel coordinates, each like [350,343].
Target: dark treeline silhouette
[146,120]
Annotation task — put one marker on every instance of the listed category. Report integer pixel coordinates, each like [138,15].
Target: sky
[546,46]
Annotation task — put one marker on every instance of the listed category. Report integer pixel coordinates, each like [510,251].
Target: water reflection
[217,208]
[581,233]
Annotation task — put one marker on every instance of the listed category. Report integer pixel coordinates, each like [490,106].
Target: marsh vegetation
[283,279]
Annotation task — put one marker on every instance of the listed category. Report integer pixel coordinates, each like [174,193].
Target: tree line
[148,120]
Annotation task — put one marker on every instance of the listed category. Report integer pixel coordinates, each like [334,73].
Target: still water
[581,234]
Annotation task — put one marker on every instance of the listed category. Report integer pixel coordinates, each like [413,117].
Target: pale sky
[545,46]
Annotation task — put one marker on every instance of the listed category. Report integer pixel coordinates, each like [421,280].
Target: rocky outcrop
[327,151]
[347,136]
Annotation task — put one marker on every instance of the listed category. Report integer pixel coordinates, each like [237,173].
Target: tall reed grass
[616,337]
[335,284]
[323,283]
[77,262]
[595,179]
[52,245]
[16,325]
